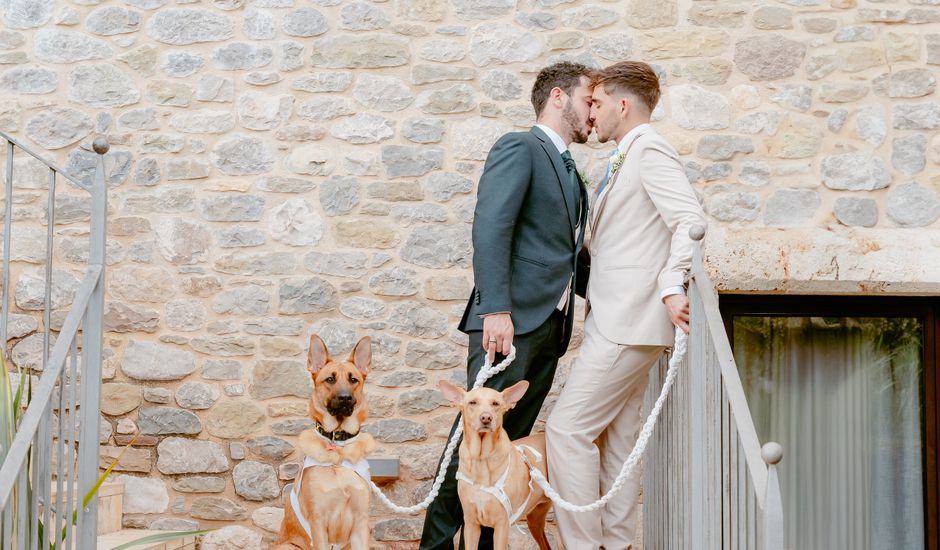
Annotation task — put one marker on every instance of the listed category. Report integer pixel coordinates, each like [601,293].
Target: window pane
[844,396]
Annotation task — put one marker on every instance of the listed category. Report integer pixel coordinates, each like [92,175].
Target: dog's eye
[330,379]
[353,380]
[495,403]
[474,402]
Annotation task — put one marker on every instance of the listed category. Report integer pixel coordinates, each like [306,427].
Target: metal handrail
[772,453]
[709,483]
[42,395]
[50,164]
[26,468]
[737,400]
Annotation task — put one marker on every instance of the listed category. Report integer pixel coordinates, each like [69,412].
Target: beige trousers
[590,434]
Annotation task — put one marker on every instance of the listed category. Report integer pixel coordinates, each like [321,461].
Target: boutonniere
[617,162]
[585,180]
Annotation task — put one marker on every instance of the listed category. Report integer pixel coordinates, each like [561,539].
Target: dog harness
[361,468]
[498,489]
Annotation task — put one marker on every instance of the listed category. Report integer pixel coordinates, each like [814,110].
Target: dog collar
[338,435]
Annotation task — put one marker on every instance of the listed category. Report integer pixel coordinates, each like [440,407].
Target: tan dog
[493,478]
[330,501]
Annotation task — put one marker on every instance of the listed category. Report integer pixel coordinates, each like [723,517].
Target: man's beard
[578,135]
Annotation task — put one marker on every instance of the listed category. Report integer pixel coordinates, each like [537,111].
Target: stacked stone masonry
[282,167]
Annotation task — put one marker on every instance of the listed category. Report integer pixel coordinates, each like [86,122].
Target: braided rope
[487,372]
[629,465]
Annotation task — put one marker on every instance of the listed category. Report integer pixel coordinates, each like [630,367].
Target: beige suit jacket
[640,242]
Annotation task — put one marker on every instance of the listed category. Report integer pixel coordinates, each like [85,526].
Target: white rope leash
[487,372]
[678,353]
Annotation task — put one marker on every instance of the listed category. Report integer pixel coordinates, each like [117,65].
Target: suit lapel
[572,200]
[562,174]
[584,213]
[601,200]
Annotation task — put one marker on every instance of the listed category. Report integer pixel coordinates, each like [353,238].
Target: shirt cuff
[671,290]
[485,315]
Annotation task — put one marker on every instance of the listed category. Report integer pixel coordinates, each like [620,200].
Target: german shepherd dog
[329,504]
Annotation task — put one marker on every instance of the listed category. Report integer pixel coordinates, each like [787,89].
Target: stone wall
[286,166]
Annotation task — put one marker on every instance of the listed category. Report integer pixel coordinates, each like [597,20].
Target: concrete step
[117,538]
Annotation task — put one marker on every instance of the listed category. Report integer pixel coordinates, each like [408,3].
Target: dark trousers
[536,358]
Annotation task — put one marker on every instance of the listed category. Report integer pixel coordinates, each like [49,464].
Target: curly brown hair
[565,75]
[633,77]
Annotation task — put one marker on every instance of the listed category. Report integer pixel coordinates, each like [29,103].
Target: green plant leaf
[162,537]
[94,488]
[18,398]
[8,422]
[86,500]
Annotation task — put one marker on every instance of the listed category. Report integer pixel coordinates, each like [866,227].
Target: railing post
[698,422]
[772,453]
[7,224]
[92,333]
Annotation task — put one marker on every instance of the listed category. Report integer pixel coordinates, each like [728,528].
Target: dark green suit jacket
[524,237]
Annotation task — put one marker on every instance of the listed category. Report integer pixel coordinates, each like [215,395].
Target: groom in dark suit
[528,227]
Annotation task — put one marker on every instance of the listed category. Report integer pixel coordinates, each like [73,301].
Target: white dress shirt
[556,139]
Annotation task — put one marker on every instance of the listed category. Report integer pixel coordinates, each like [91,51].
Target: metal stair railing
[56,439]
[708,484]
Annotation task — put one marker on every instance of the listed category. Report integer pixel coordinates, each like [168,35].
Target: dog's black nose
[342,404]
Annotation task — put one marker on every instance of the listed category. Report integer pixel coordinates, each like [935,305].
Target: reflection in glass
[844,397]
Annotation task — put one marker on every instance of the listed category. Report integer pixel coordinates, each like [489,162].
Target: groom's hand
[497,334]
[677,306]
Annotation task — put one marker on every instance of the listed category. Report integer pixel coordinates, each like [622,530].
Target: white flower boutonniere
[617,162]
[584,179]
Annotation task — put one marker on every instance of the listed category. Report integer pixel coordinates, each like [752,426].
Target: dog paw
[364,447]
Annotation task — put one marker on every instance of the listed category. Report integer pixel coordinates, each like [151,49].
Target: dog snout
[342,404]
[486,419]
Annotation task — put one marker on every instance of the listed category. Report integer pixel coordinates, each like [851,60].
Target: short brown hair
[634,77]
[565,75]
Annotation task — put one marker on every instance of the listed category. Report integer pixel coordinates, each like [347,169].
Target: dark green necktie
[573,179]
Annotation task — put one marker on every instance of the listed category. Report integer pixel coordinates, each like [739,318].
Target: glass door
[846,394]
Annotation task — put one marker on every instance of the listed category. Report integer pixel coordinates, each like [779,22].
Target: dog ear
[361,355]
[451,392]
[317,355]
[514,393]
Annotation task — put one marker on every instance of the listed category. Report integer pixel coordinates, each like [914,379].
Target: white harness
[361,468]
[498,489]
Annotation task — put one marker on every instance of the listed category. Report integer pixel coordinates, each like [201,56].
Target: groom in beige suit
[640,253]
